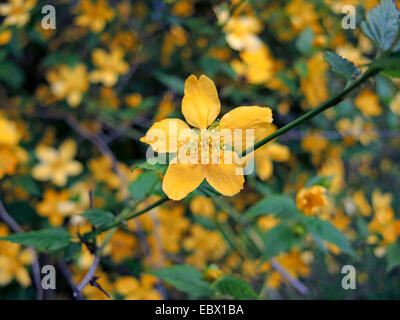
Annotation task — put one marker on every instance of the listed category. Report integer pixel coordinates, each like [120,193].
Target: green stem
[124,217]
[324,106]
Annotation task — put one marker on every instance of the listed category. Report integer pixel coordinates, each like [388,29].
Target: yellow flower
[202,206]
[241,33]
[221,168]
[9,134]
[109,66]
[69,83]
[13,261]
[122,246]
[134,289]
[257,66]
[314,84]
[294,262]
[17,12]
[383,221]
[206,246]
[102,172]
[57,165]
[395,104]
[362,203]
[55,206]
[368,103]
[266,223]
[94,15]
[133,100]
[165,107]
[5,37]
[303,15]
[311,199]
[173,226]
[268,153]
[314,142]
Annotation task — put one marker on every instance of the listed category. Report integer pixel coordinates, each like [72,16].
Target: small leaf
[327,231]
[185,278]
[280,205]
[72,250]
[50,239]
[172,82]
[319,181]
[341,65]
[99,218]
[143,185]
[279,239]
[393,256]
[305,41]
[11,74]
[382,24]
[235,288]
[155,167]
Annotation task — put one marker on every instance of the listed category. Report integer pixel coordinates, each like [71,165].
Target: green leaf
[390,66]
[305,41]
[185,278]
[99,218]
[11,74]
[319,181]
[172,82]
[279,239]
[341,65]
[50,239]
[327,231]
[235,288]
[282,206]
[382,24]
[72,250]
[154,167]
[143,185]
[393,256]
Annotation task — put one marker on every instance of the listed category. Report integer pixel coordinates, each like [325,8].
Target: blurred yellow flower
[13,260]
[256,66]
[57,165]
[395,104]
[109,66]
[362,203]
[384,222]
[310,200]
[9,134]
[368,103]
[206,246]
[17,11]
[133,100]
[69,83]
[268,153]
[314,84]
[202,206]
[94,14]
[200,107]
[241,33]
[55,206]
[134,289]
[5,37]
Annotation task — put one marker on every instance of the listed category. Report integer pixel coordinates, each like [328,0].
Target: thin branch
[300,287]
[15,227]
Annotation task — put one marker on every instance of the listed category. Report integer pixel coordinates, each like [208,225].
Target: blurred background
[80,87]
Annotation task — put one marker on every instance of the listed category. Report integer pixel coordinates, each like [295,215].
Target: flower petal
[68,149]
[247,118]
[227,176]
[181,179]
[165,135]
[200,105]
